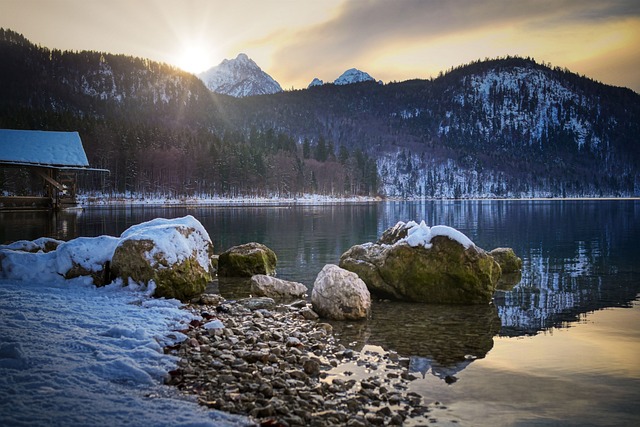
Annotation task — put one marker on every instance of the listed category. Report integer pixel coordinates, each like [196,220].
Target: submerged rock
[173,253]
[339,294]
[247,260]
[425,264]
[278,289]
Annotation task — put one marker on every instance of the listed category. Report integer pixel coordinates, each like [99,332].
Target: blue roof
[42,148]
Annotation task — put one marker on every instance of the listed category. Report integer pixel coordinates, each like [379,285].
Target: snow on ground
[72,354]
[75,355]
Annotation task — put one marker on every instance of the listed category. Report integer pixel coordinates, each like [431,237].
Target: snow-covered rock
[54,260]
[315,82]
[239,77]
[172,253]
[353,75]
[339,294]
[268,286]
[425,264]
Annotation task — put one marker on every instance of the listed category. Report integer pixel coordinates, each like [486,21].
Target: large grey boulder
[173,253]
[247,260]
[413,262]
[278,289]
[339,294]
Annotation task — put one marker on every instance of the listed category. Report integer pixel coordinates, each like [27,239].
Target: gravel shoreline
[280,366]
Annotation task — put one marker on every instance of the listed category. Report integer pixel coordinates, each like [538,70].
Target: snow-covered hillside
[528,103]
[239,77]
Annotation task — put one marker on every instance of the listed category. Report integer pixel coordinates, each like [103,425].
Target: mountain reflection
[438,339]
[560,282]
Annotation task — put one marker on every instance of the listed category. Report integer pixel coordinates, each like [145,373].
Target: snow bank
[421,235]
[80,355]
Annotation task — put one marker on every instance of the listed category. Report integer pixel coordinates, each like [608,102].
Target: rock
[173,253]
[278,289]
[508,281]
[247,260]
[339,294]
[506,257]
[427,264]
[211,299]
[309,314]
[258,303]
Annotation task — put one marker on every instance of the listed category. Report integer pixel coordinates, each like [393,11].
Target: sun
[195,59]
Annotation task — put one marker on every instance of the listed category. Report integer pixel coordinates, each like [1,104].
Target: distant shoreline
[134,200]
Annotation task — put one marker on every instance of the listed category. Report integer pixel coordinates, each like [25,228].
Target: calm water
[559,346]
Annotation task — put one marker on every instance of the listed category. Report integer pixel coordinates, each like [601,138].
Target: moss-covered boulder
[173,253]
[247,260]
[508,260]
[426,264]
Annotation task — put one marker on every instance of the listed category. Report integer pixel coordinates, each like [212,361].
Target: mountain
[315,82]
[353,75]
[239,77]
[507,127]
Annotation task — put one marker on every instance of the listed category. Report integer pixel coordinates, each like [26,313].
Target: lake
[560,345]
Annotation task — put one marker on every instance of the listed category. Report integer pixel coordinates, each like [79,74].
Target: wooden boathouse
[53,157]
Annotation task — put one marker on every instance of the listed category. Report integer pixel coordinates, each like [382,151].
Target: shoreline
[279,365]
[86,201]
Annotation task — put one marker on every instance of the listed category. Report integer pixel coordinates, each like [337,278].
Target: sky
[297,40]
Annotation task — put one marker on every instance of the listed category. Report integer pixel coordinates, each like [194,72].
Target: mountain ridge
[507,127]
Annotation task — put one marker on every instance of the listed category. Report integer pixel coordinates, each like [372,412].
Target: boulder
[278,289]
[425,264]
[339,294]
[247,260]
[506,257]
[173,253]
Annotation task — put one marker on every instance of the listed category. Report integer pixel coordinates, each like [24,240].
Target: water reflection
[439,339]
[579,255]
[31,225]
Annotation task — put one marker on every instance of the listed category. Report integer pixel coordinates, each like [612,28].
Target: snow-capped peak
[353,75]
[239,77]
[315,82]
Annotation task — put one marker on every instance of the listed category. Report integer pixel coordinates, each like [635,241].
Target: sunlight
[195,59]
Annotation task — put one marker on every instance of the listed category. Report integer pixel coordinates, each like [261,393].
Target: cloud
[360,31]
